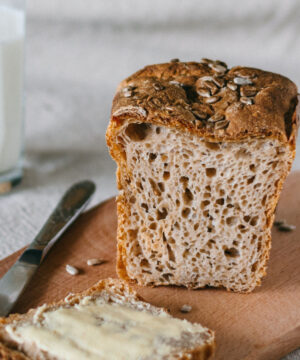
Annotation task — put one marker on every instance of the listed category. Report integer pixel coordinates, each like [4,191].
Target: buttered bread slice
[108,321]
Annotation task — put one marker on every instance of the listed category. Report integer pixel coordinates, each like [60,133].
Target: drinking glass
[12,36]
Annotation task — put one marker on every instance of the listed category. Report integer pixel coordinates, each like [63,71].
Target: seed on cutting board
[279,222]
[286,227]
[72,270]
[93,262]
[283,226]
[186,308]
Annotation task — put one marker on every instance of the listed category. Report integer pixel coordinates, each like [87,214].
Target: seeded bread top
[211,100]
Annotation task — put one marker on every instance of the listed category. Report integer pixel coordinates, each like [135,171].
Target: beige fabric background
[78,51]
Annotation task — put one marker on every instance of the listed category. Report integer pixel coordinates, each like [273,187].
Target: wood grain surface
[262,325]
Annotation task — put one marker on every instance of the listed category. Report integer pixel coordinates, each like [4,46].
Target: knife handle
[68,209]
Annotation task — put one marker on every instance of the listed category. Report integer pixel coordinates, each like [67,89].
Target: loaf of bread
[202,154]
[107,322]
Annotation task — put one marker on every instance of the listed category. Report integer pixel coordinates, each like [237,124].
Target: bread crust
[9,354]
[166,95]
[112,286]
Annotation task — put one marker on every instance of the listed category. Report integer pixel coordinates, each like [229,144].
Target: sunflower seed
[216,117]
[198,123]
[92,262]
[72,270]
[181,103]
[212,99]
[219,62]
[130,88]
[206,78]
[203,92]
[221,124]
[231,86]
[248,91]
[128,91]
[131,109]
[206,61]
[209,125]
[218,68]
[174,82]
[247,75]
[169,108]
[158,86]
[155,101]
[212,87]
[185,308]
[174,60]
[283,226]
[199,114]
[242,81]
[246,100]
[127,94]
[218,81]
[279,222]
[286,227]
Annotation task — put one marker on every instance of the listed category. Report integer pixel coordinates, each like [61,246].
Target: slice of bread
[108,321]
[202,154]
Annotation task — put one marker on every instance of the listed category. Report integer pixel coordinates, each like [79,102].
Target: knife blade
[13,283]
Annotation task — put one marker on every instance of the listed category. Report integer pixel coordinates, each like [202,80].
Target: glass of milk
[12,35]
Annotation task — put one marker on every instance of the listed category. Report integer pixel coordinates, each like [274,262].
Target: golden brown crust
[294,123]
[203,352]
[182,95]
[9,354]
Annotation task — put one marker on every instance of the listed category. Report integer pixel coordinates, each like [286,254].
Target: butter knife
[68,209]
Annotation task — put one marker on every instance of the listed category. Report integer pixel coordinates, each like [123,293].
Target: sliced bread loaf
[202,154]
[108,321]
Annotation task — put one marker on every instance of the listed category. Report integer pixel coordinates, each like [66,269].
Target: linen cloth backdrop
[77,51]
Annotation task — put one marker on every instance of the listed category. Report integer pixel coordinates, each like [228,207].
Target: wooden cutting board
[262,325]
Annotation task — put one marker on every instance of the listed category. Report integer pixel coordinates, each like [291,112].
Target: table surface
[270,313]
[76,53]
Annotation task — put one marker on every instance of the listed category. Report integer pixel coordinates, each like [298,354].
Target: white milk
[12,33]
